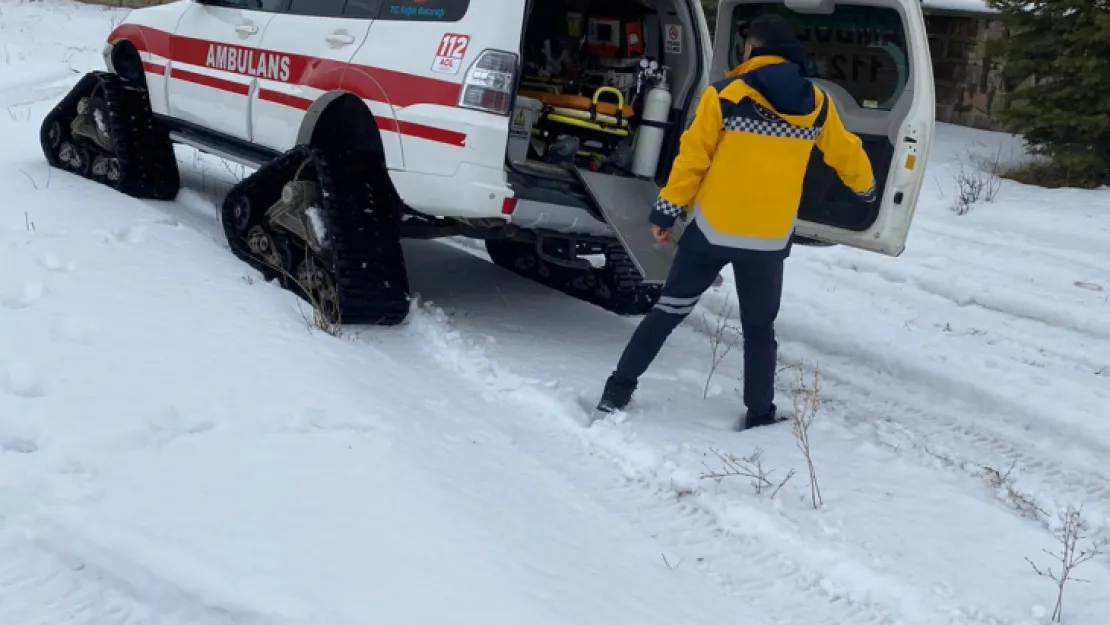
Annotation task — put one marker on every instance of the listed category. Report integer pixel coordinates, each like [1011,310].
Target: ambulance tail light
[488,85]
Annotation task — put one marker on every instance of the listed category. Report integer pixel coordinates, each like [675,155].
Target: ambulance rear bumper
[476,192]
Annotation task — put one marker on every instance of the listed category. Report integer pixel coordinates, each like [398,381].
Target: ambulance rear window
[424,10]
[860,48]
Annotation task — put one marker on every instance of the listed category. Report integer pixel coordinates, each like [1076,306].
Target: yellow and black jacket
[742,161]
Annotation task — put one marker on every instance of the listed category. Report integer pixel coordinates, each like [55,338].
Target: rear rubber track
[616,287]
[363,257]
[145,165]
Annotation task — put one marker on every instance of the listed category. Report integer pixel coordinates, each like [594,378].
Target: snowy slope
[177,447]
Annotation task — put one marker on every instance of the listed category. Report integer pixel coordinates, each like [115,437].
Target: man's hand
[661,235]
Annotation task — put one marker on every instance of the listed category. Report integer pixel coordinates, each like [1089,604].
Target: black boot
[617,394]
[754,420]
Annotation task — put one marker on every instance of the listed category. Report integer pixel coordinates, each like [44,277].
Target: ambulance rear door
[872,57]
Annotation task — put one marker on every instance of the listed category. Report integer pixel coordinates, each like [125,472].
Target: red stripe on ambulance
[210,81]
[284,99]
[376,84]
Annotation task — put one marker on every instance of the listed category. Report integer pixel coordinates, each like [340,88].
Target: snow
[176,446]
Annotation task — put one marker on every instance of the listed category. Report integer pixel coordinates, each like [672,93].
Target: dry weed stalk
[973,184]
[1004,483]
[749,467]
[1073,530]
[807,403]
[320,303]
[721,341]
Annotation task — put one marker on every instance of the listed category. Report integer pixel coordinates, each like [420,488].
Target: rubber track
[616,287]
[366,259]
[629,293]
[148,165]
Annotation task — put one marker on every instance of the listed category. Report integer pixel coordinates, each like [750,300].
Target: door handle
[340,38]
[246,29]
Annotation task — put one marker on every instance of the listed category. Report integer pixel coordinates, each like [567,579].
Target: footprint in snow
[167,426]
[30,293]
[75,329]
[137,232]
[51,262]
[21,379]
[18,445]
[132,234]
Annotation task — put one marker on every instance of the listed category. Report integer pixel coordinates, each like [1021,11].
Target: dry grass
[723,337]
[977,183]
[807,404]
[1003,483]
[750,467]
[319,319]
[1074,528]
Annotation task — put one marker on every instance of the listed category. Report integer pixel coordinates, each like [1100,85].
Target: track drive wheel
[324,224]
[627,295]
[104,130]
[616,286]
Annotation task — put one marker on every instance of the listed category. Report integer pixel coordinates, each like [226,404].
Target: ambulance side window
[319,8]
[860,48]
[362,9]
[424,10]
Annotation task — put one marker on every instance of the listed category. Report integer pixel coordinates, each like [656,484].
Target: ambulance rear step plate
[626,203]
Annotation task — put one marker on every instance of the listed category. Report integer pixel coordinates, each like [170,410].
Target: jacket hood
[780,80]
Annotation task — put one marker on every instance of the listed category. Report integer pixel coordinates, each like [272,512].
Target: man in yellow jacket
[737,181]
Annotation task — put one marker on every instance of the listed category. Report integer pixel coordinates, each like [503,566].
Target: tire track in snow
[749,560]
[28,92]
[972,434]
[41,584]
[935,436]
[879,396]
[983,242]
[1025,308]
[962,420]
[1013,410]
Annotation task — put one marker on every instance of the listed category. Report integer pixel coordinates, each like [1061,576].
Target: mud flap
[625,204]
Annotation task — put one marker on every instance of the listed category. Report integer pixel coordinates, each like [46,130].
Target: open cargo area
[598,86]
[602,99]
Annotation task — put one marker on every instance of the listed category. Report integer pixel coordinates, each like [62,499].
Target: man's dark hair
[771,31]
[773,34]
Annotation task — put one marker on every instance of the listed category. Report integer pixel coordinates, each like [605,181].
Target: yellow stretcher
[576,105]
[593,120]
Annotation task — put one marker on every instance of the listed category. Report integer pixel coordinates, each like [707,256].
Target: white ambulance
[544,127]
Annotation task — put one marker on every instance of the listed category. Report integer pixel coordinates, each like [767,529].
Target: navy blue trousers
[759,293]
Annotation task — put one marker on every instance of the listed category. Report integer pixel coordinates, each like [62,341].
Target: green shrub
[1057,72]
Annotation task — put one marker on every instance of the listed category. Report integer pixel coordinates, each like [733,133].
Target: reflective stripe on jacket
[742,161]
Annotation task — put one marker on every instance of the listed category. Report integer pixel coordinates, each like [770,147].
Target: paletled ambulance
[544,127]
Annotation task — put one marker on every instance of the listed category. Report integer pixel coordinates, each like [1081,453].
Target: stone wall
[969,86]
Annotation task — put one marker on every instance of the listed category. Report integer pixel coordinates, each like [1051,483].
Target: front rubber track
[148,166]
[364,256]
[616,287]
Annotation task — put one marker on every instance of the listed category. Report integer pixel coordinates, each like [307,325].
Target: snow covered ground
[176,447]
